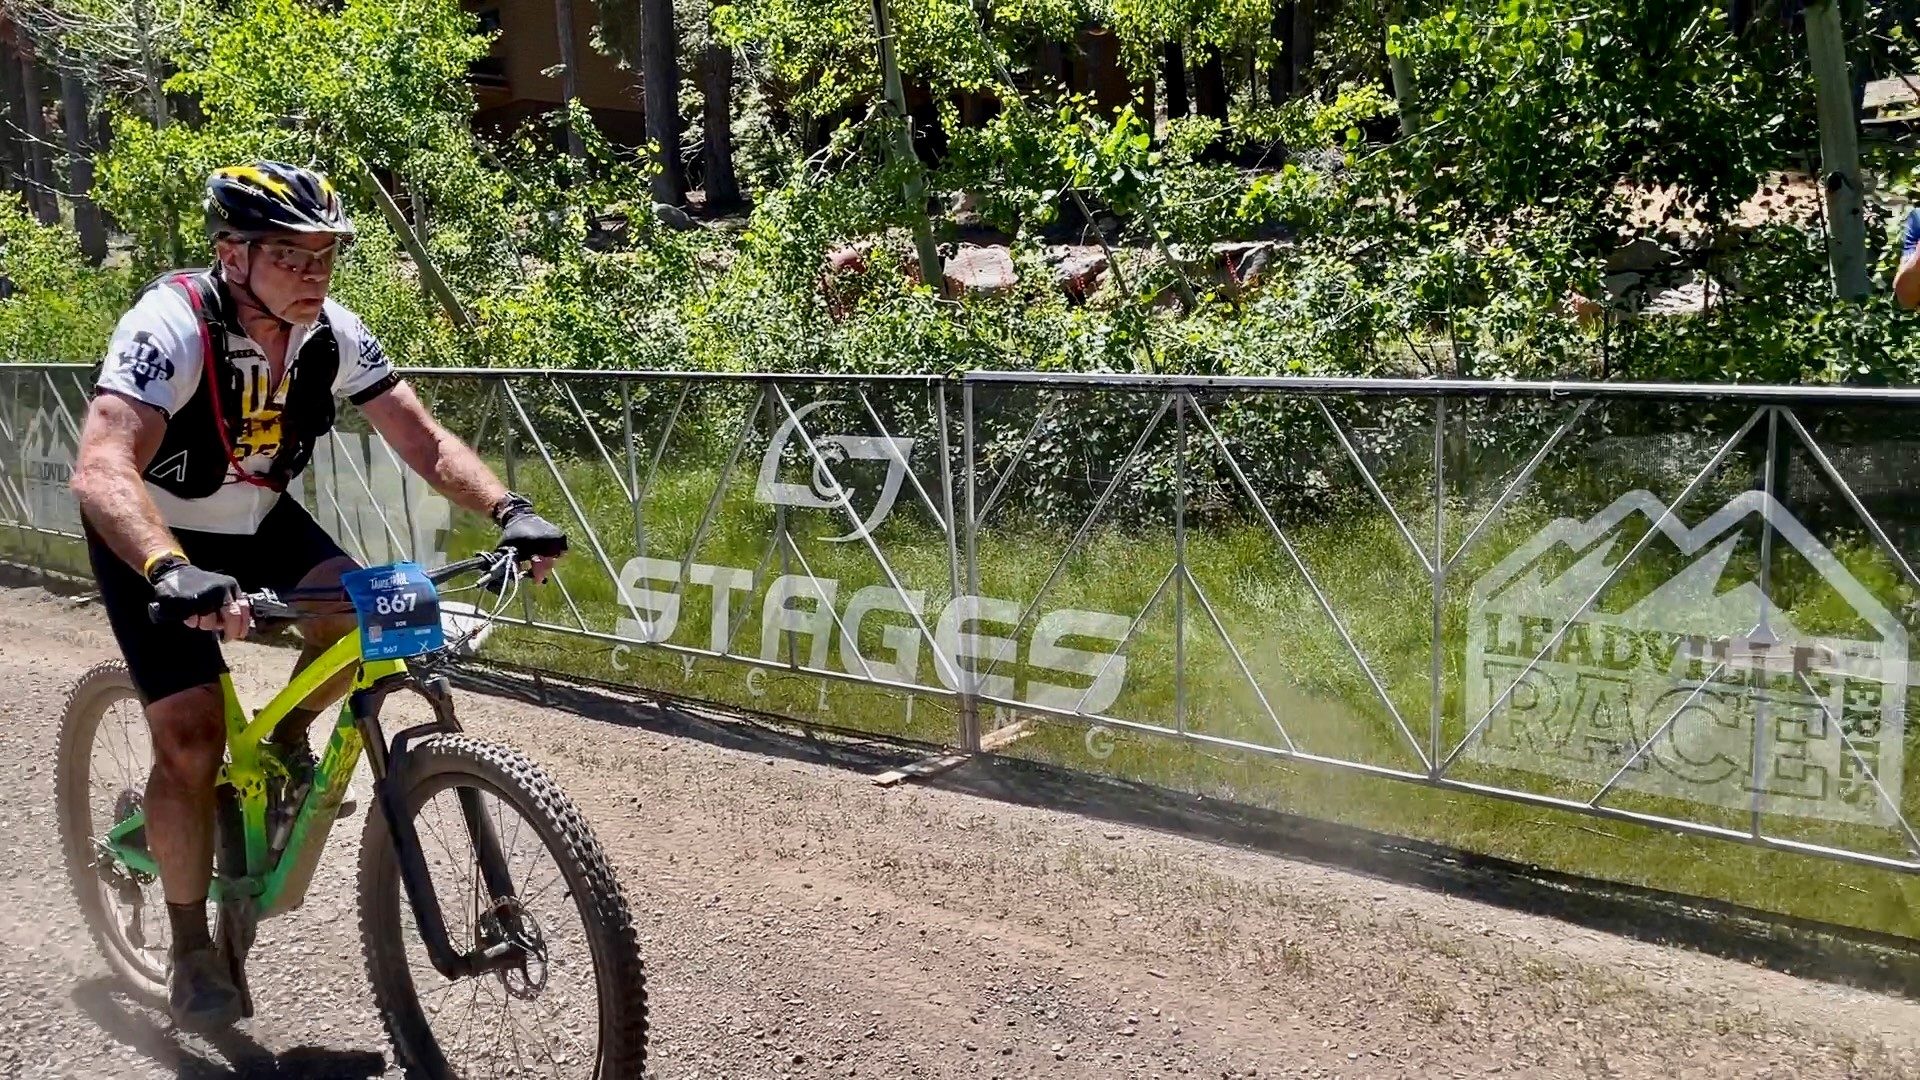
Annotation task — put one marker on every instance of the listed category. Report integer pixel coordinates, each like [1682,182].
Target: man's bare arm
[117,441]
[1906,281]
[437,454]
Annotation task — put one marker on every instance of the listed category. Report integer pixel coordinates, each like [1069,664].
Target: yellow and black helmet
[268,198]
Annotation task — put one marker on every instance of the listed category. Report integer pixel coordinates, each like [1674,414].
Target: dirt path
[798,921]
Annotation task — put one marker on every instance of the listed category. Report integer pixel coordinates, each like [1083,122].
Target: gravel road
[798,921]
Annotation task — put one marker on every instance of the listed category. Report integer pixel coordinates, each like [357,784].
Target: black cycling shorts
[166,658]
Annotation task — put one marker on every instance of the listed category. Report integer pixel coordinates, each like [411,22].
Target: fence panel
[1588,626]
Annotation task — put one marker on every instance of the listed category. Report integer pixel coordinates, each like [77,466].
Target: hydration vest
[197,453]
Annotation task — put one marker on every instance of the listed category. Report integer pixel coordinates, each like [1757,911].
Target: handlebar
[499,565]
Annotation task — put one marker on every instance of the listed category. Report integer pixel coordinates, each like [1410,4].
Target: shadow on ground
[230,1055]
[1803,947]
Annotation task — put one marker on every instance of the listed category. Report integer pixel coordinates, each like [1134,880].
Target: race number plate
[399,610]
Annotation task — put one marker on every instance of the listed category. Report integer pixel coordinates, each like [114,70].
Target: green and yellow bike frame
[253,881]
[243,783]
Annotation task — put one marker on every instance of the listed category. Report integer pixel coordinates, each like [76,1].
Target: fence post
[946,503]
[633,466]
[1759,650]
[1437,673]
[1180,565]
[968,680]
[513,483]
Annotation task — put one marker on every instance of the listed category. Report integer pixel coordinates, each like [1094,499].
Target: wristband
[509,504]
[158,565]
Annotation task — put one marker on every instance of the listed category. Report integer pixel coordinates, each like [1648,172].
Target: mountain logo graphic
[1684,647]
[36,469]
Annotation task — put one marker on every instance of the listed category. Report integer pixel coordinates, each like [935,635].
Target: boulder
[1643,256]
[1078,269]
[673,217]
[1245,263]
[980,271]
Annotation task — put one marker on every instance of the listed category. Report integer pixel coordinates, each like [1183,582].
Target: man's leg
[189,735]
[189,738]
[177,672]
[317,635]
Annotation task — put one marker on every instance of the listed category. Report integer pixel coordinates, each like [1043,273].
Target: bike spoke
[512,846]
[527,900]
[541,1029]
[473,1004]
[555,1019]
[498,1033]
[442,991]
[512,1027]
[466,880]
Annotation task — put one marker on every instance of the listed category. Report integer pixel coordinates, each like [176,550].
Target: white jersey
[156,356]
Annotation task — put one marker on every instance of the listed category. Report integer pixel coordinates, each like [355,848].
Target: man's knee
[322,631]
[189,735]
[330,620]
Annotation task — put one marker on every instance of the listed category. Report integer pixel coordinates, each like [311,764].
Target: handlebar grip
[263,605]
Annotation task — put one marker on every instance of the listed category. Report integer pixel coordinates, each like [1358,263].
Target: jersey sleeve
[365,371]
[155,354]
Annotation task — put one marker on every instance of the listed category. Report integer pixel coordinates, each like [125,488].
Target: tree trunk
[1210,89]
[916,191]
[149,64]
[86,214]
[157,99]
[1280,74]
[1741,16]
[102,142]
[45,205]
[1402,72]
[435,285]
[569,73]
[1839,149]
[659,54]
[12,145]
[1175,70]
[716,90]
[1302,45]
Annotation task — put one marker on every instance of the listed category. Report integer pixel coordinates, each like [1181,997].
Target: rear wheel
[576,1005]
[100,778]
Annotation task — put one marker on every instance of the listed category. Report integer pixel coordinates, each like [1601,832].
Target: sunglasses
[299,260]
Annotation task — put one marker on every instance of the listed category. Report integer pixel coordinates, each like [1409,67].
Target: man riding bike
[215,387]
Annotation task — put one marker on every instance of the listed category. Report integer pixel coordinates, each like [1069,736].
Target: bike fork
[387,763]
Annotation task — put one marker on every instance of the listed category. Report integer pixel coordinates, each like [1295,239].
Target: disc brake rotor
[510,923]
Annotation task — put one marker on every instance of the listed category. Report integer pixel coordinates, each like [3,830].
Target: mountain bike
[456,926]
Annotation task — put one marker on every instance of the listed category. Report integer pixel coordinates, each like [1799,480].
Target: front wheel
[576,1006]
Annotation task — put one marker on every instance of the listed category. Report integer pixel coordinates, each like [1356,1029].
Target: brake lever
[496,580]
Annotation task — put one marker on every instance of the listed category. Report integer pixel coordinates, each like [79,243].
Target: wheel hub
[510,923]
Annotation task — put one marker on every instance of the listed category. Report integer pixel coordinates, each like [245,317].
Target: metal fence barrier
[1684,608]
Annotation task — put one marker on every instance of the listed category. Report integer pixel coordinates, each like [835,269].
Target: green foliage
[1452,251]
[820,55]
[1311,124]
[1529,103]
[60,308]
[364,80]
[1782,326]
